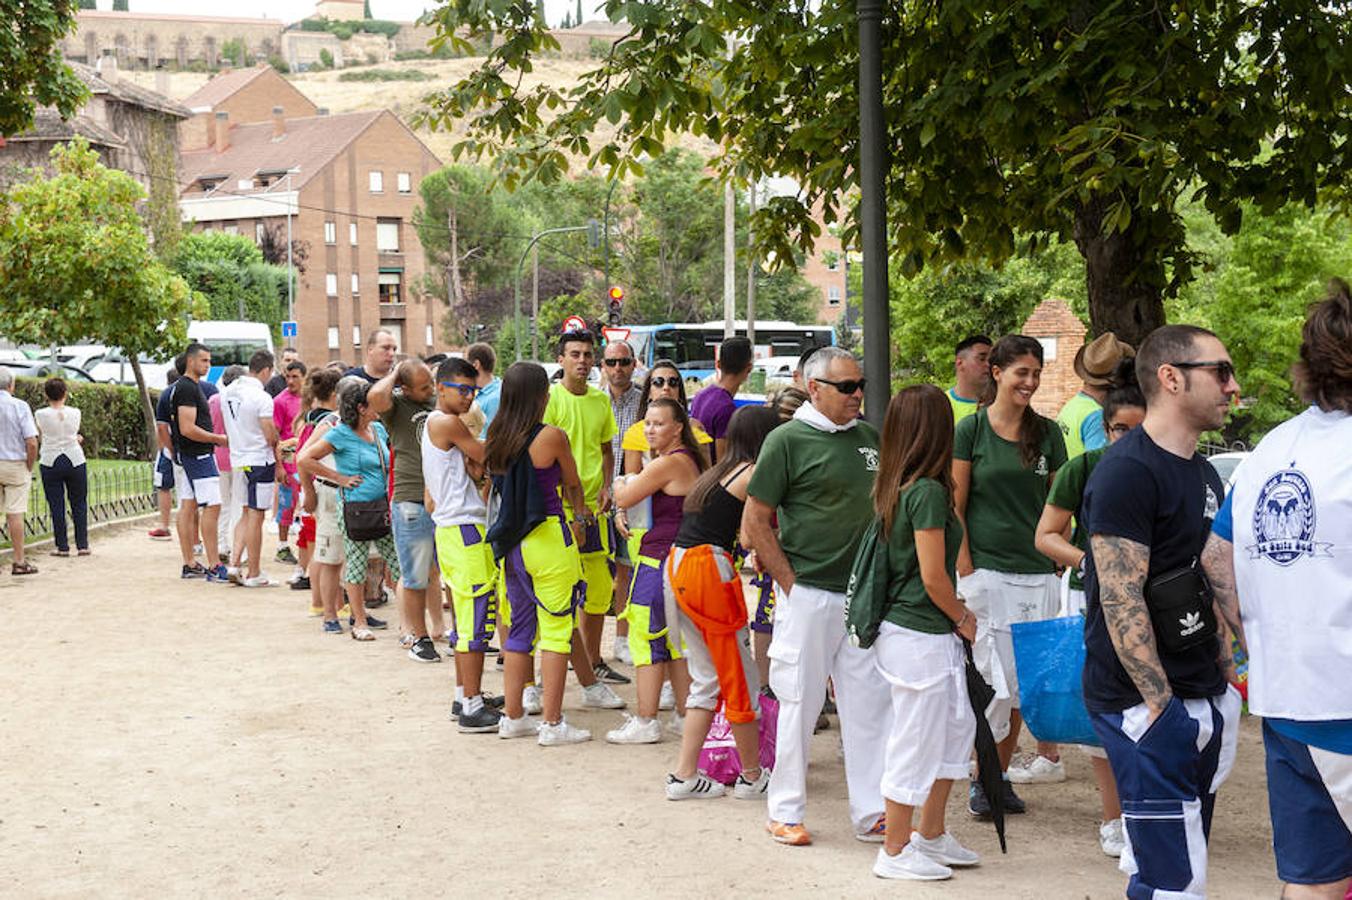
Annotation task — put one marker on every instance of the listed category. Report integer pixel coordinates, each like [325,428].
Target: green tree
[32,72]
[366,10]
[325,59]
[1080,122]
[88,4]
[120,6]
[578,19]
[230,272]
[76,265]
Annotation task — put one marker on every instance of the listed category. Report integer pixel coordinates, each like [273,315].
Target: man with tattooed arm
[1154,681]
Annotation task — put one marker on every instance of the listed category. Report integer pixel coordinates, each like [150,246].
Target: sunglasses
[845,387]
[466,390]
[666,381]
[1224,369]
[612,363]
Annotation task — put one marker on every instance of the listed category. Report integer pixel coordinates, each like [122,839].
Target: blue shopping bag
[1049,656]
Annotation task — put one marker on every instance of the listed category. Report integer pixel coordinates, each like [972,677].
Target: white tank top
[1292,508]
[456,497]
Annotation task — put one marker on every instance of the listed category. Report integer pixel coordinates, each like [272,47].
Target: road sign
[613,334]
[289,329]
[574,323]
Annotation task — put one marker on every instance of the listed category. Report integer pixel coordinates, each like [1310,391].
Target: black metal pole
[873,163]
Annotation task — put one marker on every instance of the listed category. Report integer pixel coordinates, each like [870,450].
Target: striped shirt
[625,408]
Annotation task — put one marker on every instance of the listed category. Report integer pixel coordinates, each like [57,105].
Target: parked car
[777,368]
[115,369]
[1227,464]
[36,369]
[82,356]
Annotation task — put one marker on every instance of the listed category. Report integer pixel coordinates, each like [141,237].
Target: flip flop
[362,634]
[60,553]
[23,568]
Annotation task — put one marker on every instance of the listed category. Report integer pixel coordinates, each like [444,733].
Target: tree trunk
[1129,309]
[147,409]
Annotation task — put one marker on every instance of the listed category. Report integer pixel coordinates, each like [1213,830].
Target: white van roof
[210,330]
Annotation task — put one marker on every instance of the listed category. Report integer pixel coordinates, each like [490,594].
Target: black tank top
[716,523]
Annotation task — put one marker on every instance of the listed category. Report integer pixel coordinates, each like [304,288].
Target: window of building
[331,284]
[231,228]
[405,182]
[429,335]
[333,337]
[833,295]
[387,235]
[260,232]
[356,289]
[391,287]
[356,335]
[352,233]
[832,261]
[377,182]
[1048,348]
[330,233]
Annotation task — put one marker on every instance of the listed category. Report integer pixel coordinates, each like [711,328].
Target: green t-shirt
[1005,498]
[1067,492]
[404,421]
[822,485]
[923,505]
[589,422]
[962,407]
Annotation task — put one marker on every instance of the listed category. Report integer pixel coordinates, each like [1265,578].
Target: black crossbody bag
[1180,603]
[368,520]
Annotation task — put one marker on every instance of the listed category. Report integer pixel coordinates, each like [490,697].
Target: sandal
[362,634]
[84,552]
[60,553]
[23,568]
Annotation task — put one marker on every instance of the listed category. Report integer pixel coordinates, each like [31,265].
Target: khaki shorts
[15,481]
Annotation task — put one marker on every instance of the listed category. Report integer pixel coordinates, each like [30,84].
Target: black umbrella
[988,769]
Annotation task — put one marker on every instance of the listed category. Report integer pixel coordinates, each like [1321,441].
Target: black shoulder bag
[368,520]
[1181,611]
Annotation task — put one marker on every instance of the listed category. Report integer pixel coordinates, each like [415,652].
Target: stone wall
[1062,334]
[144,40]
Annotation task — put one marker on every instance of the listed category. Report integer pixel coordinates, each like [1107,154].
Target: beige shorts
[15,481]
[328,530]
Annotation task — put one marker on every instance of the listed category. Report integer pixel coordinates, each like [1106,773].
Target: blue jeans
[415,542]
[59,480]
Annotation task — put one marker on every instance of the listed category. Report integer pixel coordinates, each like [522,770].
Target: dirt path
[169,738]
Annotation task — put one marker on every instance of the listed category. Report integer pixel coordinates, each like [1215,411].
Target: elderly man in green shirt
[817,472]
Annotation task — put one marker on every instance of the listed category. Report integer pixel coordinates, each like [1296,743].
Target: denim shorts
[415,542]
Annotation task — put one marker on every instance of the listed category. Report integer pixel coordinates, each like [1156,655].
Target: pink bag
[719,760]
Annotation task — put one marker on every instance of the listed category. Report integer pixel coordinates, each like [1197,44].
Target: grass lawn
[118,488]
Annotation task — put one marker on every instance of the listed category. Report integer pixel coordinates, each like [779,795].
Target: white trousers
[810,645]
[231,502]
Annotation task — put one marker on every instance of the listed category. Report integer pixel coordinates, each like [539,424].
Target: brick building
[246,95]
[1062,334]
[350,195]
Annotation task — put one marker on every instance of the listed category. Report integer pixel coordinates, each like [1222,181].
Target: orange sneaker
[793,834]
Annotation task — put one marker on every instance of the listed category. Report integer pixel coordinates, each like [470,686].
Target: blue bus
[692,346]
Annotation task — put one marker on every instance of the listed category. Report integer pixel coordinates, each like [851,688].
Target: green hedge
[110,415]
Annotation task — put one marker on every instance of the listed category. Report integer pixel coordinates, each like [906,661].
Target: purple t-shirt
[713,407]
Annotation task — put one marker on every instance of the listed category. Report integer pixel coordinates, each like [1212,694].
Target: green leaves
[32,73]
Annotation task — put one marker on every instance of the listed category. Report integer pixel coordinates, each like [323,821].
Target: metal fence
[115,492]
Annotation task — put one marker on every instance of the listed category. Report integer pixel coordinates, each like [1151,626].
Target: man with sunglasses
[1154,683]
[403,399]
[618,366]
[817,473]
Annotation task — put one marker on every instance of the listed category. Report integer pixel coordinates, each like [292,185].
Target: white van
[231,343]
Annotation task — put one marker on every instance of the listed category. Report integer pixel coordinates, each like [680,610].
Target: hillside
[405,97]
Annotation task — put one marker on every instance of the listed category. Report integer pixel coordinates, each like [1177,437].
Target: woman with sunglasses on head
[706,608]
[654,646]
[664,381]
[541,584]
[1123,410]
[1005,456]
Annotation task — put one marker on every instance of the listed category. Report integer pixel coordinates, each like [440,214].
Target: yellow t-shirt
[588,421]
[635,439]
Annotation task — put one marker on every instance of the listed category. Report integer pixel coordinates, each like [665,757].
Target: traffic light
[616,295]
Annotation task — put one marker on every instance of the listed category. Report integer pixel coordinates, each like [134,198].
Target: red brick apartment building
[348,184]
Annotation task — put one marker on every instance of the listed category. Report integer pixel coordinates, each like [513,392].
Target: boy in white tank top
[452,460]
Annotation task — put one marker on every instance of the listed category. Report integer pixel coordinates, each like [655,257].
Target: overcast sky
[291,10]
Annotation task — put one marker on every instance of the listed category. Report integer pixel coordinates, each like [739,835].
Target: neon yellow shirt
[635,439]
[962,407]
[589,423]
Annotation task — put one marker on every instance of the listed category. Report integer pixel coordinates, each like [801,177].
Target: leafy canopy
[75,263]
[31,71]
[1010,126]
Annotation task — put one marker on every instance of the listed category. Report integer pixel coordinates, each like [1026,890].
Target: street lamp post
[873,164]
[516,291]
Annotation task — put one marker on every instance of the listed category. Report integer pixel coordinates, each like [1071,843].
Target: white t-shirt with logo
[1292,525]
[244,406]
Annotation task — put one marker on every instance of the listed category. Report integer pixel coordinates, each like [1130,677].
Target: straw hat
[1096,361]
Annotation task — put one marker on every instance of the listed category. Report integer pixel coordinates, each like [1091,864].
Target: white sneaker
[700,787]
[1040,771]
[1112,839]
[752,790]
[562,733]
[600,696]
[258,581]
[945,850]
[515,728]
[909,865]
[676,725]
[622,653]
[533,699]
[636,731]
[668,698]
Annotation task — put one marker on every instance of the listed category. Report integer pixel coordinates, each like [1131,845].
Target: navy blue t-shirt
[1146,494]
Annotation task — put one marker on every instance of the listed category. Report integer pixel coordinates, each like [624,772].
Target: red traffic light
[617,294]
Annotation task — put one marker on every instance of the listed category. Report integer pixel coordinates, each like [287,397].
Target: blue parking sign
[288,329]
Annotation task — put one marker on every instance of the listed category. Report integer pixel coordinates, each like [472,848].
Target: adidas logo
[1192,623]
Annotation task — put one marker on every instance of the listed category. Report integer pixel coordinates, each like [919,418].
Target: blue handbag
[1049,657]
